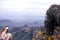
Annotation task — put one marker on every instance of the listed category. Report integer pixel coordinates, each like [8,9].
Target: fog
[20,10]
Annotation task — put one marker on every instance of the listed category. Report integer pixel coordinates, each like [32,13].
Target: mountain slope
[6,22]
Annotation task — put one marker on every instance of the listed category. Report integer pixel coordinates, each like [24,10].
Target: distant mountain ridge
[6,22]
[40,22]
[10,23]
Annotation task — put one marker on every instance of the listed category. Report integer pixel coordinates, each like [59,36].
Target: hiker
[4,35]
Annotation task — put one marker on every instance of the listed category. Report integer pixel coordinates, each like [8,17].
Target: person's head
[5,29]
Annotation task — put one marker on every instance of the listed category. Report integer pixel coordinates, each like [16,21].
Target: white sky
[15,9]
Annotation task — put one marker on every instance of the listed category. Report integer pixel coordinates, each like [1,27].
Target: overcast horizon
[25,9]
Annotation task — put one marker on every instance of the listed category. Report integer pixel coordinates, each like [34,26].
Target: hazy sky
[24,9]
